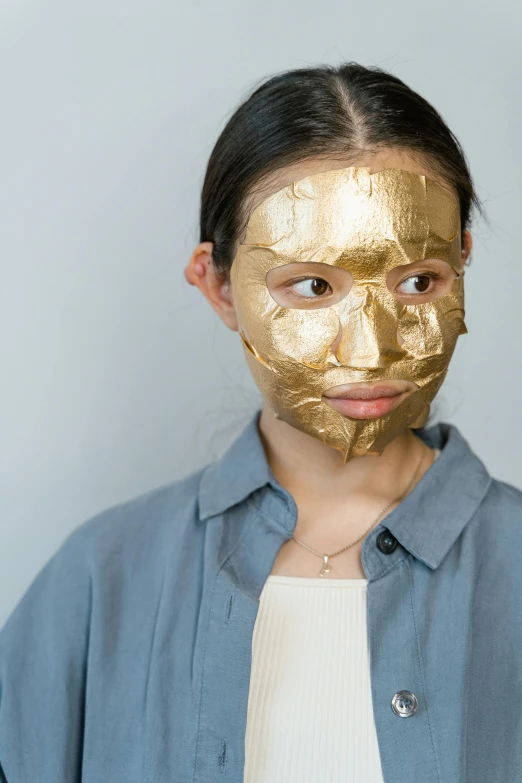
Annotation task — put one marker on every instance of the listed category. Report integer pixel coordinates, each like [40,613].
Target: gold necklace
[326,568]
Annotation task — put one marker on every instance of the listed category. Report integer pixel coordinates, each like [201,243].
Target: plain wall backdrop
[116,375]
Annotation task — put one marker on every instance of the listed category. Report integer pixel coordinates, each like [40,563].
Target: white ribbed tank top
[310,716]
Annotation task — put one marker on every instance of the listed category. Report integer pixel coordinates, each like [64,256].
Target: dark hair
[314,112]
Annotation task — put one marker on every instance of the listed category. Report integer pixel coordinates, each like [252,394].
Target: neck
[323,486]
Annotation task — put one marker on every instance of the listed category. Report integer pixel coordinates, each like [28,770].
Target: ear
[467,243]
[200,272]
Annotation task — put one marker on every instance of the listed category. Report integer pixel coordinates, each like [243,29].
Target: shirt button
[386,542]
[404,704]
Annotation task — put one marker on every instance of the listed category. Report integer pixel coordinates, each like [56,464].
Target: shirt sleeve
[43,660]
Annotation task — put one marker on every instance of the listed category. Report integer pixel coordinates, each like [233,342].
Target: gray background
[116,375]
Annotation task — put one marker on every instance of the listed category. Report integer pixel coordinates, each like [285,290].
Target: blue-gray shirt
[128,659]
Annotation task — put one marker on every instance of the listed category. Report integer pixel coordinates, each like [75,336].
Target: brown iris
[319,286]
[422,283]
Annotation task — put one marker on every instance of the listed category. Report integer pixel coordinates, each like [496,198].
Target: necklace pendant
[325,567]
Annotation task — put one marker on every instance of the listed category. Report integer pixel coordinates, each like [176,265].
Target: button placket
[395,666]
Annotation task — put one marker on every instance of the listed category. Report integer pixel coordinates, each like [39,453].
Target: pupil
[319,286]
[421,283]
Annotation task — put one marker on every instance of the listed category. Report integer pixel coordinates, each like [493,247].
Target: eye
[418,284]
[311,287]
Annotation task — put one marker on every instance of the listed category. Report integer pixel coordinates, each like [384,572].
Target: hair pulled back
[322,111]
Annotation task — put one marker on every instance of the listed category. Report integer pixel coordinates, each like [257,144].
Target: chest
[310,713]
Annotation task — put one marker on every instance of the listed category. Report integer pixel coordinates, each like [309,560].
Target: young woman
[338,598]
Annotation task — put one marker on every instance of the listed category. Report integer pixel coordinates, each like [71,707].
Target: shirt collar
[240,471]
[427,522]
[431,518]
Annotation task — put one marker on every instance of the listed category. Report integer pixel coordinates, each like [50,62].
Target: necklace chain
[326,568]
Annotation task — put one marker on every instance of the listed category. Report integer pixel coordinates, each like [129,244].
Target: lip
[368,400]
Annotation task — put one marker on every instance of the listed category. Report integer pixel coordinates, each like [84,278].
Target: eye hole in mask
[313,285]
[308,285]
[422,281]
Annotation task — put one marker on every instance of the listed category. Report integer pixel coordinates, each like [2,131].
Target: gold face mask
[356,229]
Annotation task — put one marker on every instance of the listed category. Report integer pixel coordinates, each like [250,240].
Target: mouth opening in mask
[368,400]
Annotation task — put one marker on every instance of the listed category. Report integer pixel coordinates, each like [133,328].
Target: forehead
[334,215]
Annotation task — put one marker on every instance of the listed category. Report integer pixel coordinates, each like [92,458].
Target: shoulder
[496,530]
[504,503]
[91,600]
[117,546]
[164,513]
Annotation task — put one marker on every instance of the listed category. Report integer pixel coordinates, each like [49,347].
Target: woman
[275,616]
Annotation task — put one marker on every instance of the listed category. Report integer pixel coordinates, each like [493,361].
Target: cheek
[275,334]
[430,330]
[288,384]
[304,335]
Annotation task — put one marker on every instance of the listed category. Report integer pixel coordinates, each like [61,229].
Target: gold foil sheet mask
[366,225]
